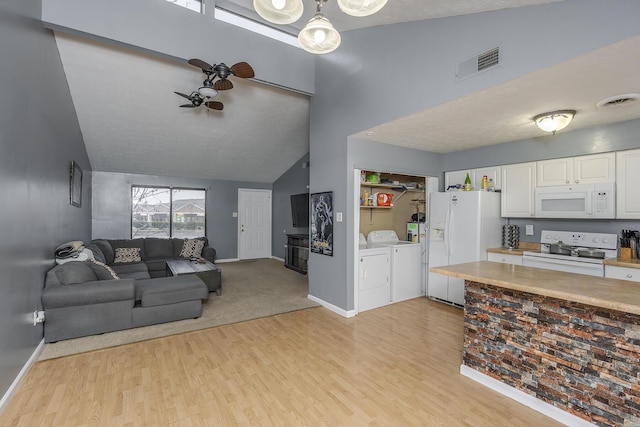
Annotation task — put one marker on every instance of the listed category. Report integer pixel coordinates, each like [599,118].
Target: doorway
[254,223]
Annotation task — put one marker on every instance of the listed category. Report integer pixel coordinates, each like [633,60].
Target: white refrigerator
[462,225]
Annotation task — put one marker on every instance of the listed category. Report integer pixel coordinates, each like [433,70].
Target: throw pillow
[127,255]
[192,248]
[103,271]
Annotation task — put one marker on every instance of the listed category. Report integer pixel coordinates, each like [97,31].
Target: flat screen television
[300,210]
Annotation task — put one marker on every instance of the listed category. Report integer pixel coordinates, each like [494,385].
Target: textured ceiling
[131,122]
[495,115]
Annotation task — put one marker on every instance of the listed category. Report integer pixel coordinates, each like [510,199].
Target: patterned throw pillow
[192,248]
[127,255]
[103,271]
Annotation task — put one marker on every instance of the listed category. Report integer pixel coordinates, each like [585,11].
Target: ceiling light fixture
[318,36]
[555,120]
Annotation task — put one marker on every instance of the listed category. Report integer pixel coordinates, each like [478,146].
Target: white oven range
[573,252]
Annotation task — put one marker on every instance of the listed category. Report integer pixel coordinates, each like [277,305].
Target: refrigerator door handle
[447,224]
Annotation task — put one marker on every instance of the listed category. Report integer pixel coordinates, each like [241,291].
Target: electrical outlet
[529,229]
[338,216]
[38,317]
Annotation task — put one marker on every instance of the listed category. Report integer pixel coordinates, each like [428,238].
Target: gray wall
[112,206]
[392,71]
[294,181]
[39,137]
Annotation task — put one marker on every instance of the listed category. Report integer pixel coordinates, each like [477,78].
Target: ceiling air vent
[618,100]
[478,63]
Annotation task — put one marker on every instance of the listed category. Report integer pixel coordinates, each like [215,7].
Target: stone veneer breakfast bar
[553,340]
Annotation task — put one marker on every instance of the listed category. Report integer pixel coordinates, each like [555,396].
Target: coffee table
[208,272]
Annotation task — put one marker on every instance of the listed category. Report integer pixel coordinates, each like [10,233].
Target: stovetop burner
[566,245]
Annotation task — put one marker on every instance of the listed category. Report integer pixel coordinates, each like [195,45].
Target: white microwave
[576,201]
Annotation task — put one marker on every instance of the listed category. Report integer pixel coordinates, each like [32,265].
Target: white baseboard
[14,385]
[524,398]
[278,258]
[334,308]
[220,261]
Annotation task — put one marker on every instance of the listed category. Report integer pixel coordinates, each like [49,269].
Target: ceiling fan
[211,86]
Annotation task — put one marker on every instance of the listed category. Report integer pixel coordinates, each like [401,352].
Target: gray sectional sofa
[83,298]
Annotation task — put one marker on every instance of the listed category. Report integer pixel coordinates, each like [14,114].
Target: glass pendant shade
[279,11]
[319,36]
[361,7]
[554,121]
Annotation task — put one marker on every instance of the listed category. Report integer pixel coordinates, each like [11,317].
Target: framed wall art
[75,185]
[322,223]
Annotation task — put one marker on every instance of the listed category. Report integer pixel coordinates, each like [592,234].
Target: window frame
[170,190]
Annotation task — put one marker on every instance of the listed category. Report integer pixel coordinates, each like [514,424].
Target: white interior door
[254,223]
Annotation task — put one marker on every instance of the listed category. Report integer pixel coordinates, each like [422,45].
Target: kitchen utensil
[591,253]
[560,248]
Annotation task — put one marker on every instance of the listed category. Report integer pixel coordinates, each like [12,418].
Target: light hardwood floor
[396,365]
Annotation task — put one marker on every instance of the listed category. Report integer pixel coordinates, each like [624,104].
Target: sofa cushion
[157,248]
[106,249]
[102,271]
[170,290]
[97,252]
[127,255]
[179,243]
[191,248]
[74,272]
[132,271]
[128,243]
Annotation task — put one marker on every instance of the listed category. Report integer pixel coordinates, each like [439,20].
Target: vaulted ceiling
[131,120]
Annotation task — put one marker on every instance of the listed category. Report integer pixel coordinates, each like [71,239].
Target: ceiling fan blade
[214,105]
[244,70]
[200,64]
[188,106]
[223,85]
[183,95]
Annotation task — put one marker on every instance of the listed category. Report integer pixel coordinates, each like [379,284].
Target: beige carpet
[250,289]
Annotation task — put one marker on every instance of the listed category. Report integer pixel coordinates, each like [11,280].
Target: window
[195,5]
[167,212]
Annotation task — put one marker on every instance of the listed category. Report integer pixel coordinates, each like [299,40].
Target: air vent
[618,100]
[478,63]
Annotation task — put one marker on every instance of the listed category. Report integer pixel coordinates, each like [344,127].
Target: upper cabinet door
[455,177]
[627,181]
[554,172]
[594,168]
[518,184]
[591,169]
[493,173]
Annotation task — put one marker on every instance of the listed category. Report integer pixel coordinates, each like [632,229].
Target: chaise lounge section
[113,293]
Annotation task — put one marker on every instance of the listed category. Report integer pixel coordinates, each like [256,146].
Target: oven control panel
[585,240]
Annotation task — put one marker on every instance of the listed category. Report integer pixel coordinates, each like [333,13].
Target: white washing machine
[374,277]
[406,264]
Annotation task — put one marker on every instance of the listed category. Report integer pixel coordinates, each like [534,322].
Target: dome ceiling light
[318,36]
[555,120]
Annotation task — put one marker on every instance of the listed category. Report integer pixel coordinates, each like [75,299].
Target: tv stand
[297,252]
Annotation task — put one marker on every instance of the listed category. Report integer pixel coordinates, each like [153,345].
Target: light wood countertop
[623,262]
[524,246]
[621,295]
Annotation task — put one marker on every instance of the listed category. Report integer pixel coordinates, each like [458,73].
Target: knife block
[625,253]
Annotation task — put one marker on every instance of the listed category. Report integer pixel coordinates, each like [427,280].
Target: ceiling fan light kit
[554,120]
[318,36]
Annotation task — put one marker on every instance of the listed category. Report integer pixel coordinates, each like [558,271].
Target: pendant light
[319,36]
[555,120]
[361,7]
[279,11]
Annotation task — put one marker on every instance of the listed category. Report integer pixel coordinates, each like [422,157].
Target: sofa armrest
[209,253]
[95,292]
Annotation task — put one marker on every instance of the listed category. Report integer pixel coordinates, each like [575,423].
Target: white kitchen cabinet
[628,184]
[518,184]
[458,177]
[622,273]
[504,258]
[590,169]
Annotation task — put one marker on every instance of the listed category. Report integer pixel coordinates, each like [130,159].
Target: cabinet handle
[577,181]
[567,181]
[630,275]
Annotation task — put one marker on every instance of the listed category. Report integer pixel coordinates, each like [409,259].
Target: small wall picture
[322,223]
[75,185]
